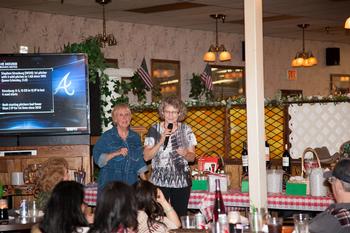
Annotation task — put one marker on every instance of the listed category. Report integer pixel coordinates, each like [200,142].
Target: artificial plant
[198,89]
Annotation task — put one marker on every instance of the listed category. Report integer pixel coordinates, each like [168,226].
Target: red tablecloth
[204,201]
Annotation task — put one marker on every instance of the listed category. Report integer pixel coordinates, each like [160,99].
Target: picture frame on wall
[339,84]
[166,77]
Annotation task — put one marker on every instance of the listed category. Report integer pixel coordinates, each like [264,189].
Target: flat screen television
[44,94]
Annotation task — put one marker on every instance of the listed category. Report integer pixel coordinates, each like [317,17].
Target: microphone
[170,126]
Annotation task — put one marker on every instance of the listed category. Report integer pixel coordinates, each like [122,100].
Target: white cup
[17,178]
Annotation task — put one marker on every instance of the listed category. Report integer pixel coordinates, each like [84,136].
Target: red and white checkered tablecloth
[90,194]
[204,201]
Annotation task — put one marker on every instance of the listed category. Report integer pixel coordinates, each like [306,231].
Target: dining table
[15,223]
[233,198]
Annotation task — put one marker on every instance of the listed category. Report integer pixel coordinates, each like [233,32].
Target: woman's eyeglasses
[171,112]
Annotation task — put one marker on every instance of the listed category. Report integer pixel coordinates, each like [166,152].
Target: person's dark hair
[63,212]
[176,103]
[146,197]
[116,208]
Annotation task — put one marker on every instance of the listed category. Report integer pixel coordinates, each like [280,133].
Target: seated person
[155,213]
[116,209]
[336,218]
[64,210]
[53,171]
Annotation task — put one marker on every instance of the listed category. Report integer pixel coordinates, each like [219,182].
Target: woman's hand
[189,154]
[122,151]
[160,197]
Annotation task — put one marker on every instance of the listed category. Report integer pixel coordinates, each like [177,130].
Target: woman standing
[170,145]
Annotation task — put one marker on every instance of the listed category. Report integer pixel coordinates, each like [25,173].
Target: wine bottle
[267,155]
[245,160]
[219,206]
[286,160]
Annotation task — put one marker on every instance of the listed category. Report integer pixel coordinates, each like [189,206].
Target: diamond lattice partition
[274,129]
[208,124]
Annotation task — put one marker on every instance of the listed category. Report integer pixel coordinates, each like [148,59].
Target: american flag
[143,72]
[206,78]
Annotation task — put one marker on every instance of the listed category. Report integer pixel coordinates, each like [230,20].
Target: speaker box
[243,50]
[332,56]
[95,108]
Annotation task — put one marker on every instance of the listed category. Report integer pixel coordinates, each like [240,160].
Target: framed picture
[339,84]
[228,81]
[290,93]
[165,77]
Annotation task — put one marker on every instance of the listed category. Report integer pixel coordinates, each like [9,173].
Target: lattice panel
[208,126]
[318,125]
[274,128]
[238,130]
[274,125]
[147,118]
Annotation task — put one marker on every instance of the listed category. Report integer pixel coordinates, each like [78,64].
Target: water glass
[188,222]
[218,227]
[274,224]
[256,221]
[301,223]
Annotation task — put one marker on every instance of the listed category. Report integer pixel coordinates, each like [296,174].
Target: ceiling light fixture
[103,38]
[302,58]
[224,55]
[347,24]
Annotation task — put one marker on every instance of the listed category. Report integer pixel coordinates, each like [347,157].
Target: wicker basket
[313,164]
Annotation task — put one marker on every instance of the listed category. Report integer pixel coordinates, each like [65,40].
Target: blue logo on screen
[64,85]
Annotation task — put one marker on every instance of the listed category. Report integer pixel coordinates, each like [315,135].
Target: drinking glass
[274,224]
[301,223]
[188,222]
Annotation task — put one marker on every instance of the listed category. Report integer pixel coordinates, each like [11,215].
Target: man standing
[119,152]
[336,218]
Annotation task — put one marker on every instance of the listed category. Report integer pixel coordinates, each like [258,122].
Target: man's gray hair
[346,186]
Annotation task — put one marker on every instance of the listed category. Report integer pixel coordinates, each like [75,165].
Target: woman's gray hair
[176,103]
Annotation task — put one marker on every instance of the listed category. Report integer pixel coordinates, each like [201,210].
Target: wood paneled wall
[77,156]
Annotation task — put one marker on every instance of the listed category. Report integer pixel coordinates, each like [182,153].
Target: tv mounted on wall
[44,94]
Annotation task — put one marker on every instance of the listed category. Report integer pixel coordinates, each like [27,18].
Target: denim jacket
[120,168]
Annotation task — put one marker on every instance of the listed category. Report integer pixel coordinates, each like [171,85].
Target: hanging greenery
[97,64]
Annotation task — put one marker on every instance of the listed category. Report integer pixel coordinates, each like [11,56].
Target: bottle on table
[267,154]
[244,160]
[219,206]
[286,160]
[220,222]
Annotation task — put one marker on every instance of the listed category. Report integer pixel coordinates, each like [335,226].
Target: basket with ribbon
[299,185]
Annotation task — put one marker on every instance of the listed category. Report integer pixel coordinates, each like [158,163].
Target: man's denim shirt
[120,168]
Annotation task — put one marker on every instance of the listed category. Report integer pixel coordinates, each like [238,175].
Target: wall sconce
[224,55]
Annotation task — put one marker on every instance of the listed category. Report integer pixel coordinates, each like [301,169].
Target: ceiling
[326,17]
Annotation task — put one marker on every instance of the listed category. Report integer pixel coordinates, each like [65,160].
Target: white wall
[135,41]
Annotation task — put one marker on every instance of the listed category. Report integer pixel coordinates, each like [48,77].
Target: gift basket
[299,185]
[210,167]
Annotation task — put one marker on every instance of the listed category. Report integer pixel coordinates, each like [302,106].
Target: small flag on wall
[143,72]
[206,78]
